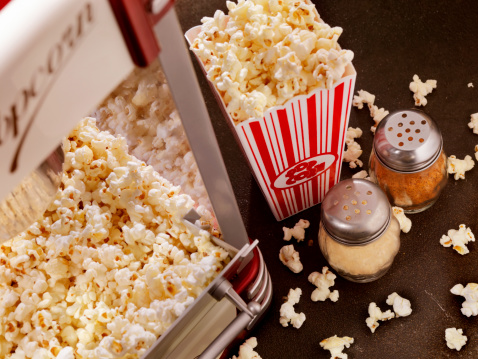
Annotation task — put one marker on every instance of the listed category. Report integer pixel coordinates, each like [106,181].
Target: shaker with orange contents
[408,161]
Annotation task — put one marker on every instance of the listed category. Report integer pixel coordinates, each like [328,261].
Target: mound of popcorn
[109,267]
[142,110]
[264,52]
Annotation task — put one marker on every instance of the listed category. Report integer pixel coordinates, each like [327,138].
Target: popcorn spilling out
[375,314]
[323,281]
[401,306]
[470,292]
[336,345]
[109,267]
[298,232]
[458,239]
[459,167]
[405,222]
[376,113]
[421,89]
[287,312]
[290,257]
[362,175]
[473,124]
[455,338]
[264,53]
[353,151]
[246,350]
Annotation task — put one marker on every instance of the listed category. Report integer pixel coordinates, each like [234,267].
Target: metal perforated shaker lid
[355,212]
[407,141]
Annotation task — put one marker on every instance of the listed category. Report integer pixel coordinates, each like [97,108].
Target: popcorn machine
[58,60]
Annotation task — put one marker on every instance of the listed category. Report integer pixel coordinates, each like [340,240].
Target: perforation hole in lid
[408,125]
[348,204]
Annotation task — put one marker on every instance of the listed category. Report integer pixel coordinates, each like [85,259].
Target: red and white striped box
[295,151]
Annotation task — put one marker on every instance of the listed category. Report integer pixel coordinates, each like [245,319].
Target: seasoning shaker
[358,235]
[408,161]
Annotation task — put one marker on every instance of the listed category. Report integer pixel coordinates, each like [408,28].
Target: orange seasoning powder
[413,191]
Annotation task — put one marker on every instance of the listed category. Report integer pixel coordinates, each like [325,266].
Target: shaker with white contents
[358,234]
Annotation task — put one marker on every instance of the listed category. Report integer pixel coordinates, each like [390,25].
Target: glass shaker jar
[358,235]
[408,161]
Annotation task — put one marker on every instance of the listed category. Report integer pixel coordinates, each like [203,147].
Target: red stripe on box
[336,122]
[298,198]
[314,132]
[344,130]
[276,160]
[302,131]
[296,134]
[278,144]
[286,137]
[266,159]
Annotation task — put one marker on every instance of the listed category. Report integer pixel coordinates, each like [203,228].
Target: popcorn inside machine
[58,61]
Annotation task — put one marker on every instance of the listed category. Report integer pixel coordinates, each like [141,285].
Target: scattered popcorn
[376,113]
[459,167]
[263,53]
[470,84]
[336,345]
[111,264]
[246,350]
[421,89]
[405,222]
[323,281]
[473,124]
[375,314]
[401,306]
[455,338]
[362,175]
[458,239]
[287,312]
[470,292]
[298,232]
[353,151]
[290,257]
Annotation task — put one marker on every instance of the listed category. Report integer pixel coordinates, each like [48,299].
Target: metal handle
[175,60]
[250,312]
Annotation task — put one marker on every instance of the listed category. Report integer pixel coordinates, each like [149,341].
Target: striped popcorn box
[295,151]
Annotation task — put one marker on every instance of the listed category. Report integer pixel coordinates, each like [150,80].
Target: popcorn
[290,257]
[287,312]
[323,281]
[246,350]
[298,232]
[110,266]
[401,306]
[421,89]
[405,222]
[262,54]
[470,292]
[459,167]
[336,345]
[458,239]
[363,175]
[375,314]
[376,113]
[473,124]
[455,338]
[470,84]
[354,151]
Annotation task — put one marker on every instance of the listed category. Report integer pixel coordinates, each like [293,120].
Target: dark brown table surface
[392,41]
